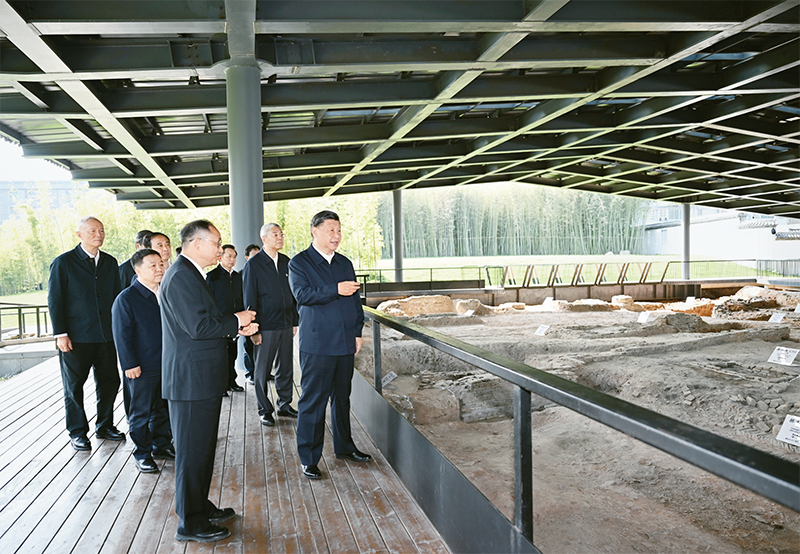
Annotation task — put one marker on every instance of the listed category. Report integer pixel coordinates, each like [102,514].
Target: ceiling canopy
[683,101]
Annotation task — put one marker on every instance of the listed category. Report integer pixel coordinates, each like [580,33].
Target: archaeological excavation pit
[595,489]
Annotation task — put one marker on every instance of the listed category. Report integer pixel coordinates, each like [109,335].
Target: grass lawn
[38,297]
[9,317]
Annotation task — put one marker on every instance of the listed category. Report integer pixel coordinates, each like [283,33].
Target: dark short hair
[232,247]
[250,248]
[141,236]
[192,229]
[148,240]
[178,250]
[322,217]
[138,257]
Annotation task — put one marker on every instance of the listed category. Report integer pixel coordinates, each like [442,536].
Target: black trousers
[233,351]
[75,366]
[194,428]
[275,348]
[249,358]
[323,378]
[148,414]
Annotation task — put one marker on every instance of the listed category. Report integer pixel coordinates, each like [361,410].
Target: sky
[13,167]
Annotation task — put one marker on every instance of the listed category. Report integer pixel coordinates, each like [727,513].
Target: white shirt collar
[96,257]
[195,264]
[328,257]
[274,260]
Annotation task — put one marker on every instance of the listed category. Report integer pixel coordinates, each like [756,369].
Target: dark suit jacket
[80,295]
[126,273]
[329,323]
[136,318]
[267,291]
[195,335]
[227,289]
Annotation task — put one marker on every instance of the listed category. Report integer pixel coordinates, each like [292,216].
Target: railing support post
[523,463]
[21,323]
[376,356]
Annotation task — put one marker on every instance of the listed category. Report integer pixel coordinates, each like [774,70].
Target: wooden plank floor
[56,500]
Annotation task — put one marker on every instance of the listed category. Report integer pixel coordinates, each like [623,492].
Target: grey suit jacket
[195,335]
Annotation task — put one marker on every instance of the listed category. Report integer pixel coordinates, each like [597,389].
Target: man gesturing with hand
[195,377]
[331,318]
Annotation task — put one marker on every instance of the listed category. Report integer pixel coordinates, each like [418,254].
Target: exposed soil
[598,490]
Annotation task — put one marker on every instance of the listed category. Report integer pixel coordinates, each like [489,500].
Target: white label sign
[782,355]
[690,299]
[541,330]
[790,430]
[776,318]
[797,309]
[388,378]
[643,317]
[469,313]
[548,299]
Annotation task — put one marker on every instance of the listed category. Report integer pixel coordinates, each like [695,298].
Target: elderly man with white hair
[266,291]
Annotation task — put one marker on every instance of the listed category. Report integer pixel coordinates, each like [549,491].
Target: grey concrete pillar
[243,95]
[397,204]
[686,254]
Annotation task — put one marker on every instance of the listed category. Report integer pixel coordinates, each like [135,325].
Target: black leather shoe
[250,380]
[212,533]
[80,443]
[267,420]
[224,394]
[166,453]
[221,515]
[288,411]
[355,456]
[236,388]
[270,377]
[146,466]
[110,433]
[312,471]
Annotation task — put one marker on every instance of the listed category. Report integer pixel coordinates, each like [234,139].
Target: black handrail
[768,475]
[21,311]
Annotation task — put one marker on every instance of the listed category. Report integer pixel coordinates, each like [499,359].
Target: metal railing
[21,321]
[570,274]
[768,475]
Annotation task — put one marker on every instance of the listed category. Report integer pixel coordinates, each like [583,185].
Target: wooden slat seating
[56,500]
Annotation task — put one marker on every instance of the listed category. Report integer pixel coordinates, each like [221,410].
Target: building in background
[718,234]
[19,192]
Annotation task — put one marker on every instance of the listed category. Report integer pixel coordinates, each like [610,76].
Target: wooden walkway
[54,499]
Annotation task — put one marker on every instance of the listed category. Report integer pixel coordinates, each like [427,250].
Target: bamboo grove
[513,219]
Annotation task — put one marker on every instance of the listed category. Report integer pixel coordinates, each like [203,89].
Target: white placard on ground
[790,430]
[469,313]
[775,318]
[782,355]
[797,309]
[690,299]
[388,378]
[643,317]
[541,330]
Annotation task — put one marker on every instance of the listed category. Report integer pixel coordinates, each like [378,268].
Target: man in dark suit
[194,377]
[266,288]
[83,284]
[226,286]
[126,271]
[249,354]
[324,284]
[136,320]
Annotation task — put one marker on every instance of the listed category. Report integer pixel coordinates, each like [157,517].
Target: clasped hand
[348,288]
[247,326]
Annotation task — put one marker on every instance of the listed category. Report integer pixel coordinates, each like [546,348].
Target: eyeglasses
[217,242]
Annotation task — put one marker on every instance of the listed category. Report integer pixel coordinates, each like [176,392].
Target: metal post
[21,322]
[523,463]
[243,99]
[397,204]
[376,356]
[686,255]
[243,91]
